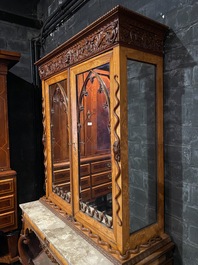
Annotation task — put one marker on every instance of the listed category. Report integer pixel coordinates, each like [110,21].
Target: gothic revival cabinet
[103,137]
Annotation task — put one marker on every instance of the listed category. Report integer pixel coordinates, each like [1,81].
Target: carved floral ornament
[135,34]
[94,43]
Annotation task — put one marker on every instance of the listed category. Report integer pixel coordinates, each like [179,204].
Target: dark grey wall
[17,38]
[20,7]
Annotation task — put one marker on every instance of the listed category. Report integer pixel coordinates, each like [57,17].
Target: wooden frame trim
[78,215]
[158,227]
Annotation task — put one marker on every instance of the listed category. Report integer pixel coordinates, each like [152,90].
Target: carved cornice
[118,26]
[139,37]
[98,41]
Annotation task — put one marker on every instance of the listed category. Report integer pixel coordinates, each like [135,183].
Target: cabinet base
[163,256]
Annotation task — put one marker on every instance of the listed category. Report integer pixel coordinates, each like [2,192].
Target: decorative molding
[119,26]
[116,151]
[58,97]
[65,195]
[140,34]
[94,43]
[141,39]
[101,217]
[44,141]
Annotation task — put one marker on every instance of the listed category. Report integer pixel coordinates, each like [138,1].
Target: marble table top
[71,246]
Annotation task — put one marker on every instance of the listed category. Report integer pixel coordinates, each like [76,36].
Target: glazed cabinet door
[56,113]
[91,148]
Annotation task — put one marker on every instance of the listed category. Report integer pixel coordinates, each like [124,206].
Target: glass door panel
[60,139]
[142,167]
[93,89]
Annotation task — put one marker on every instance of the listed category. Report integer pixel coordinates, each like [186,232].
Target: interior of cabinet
[58,100]
[94,137]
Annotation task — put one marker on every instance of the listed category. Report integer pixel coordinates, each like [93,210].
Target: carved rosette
[98,41]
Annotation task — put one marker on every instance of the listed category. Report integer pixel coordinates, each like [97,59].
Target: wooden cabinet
[8,193]
[8,207]
[103,136]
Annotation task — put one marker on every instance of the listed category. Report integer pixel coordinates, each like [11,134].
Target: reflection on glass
[60,139]
[141,144]
[93,88]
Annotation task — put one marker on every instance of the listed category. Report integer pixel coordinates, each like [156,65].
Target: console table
[60,243]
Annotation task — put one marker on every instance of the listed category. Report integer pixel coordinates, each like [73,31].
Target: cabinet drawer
[100,166]
[86,195]
[7,220]
[6,186]
[7,203]
[101,178]
[84,170]
[85,182]
[61,176]
[101,190]
[65,187]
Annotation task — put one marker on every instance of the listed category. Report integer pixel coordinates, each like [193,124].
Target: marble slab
[75,249]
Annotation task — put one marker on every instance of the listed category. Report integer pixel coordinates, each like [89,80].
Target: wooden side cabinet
[8,213]
[8,198]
